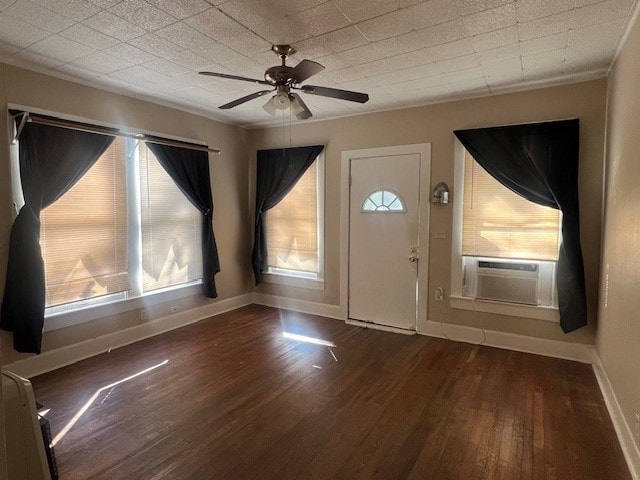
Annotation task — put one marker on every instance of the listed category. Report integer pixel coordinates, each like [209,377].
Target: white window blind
[171,228]
[292,227]
[84,234]
[500,223]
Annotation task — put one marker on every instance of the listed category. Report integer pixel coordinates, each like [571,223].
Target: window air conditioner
[507,281]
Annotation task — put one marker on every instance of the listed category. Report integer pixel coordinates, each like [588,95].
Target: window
[122,231]
[83,235]
[500,223]
[505,247]
[294,228]
[383,201]
[170,229]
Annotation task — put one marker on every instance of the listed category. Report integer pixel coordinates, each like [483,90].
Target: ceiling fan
[284,79]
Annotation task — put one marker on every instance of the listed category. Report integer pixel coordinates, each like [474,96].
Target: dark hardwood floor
[238,400]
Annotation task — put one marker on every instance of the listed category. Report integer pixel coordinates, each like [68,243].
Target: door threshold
[375,326]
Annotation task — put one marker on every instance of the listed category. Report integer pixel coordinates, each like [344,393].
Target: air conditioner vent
[523,267]
[507,282]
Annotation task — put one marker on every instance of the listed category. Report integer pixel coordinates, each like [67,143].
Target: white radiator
[26,457]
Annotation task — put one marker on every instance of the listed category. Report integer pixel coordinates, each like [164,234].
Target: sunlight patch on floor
[305,339]
[93,398]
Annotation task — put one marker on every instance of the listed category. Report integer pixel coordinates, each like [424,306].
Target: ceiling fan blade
[304,113]
[242,100]
[304,70]
[336,93]
[235,77]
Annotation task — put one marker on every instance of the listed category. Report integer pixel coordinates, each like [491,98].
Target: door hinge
[349,179]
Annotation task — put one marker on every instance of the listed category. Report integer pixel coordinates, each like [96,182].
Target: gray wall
[618,336]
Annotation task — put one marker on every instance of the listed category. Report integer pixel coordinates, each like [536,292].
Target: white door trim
[422,149]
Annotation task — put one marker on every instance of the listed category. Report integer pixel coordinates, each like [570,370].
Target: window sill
[86,314]
[549,314]
[292,281]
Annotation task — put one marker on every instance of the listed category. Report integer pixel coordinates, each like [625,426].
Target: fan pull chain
[283,138]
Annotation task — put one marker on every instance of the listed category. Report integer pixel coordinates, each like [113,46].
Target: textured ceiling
[401,52]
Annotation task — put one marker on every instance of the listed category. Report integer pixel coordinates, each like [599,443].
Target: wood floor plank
[237,400]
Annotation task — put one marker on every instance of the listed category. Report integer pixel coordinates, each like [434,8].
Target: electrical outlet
[638,425]
[439,295]
[143,315]
[174,308]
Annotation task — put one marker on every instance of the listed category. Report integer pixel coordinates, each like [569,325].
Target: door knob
[413,254]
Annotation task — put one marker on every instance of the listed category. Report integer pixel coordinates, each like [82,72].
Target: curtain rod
[83,127]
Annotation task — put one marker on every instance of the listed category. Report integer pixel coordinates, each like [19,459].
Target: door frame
[424,150]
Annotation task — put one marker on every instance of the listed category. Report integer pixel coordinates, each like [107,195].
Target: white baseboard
[521,343]
[578,352]
[623,429]
[302,306]
[61,357]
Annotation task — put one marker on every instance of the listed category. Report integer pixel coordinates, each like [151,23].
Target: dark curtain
[540,162]
[190,170]
[52,160]
[277,173]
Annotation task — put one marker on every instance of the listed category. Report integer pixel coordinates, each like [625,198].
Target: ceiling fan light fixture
[270,107]
[296,108]
[281,101]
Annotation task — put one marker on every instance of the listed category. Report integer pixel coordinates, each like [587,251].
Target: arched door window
[383,201]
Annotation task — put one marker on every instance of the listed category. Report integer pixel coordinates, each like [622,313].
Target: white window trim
[459,302]
[550,314]
[292,278]
[90,311]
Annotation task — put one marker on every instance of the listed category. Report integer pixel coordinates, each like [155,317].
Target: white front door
[383,239]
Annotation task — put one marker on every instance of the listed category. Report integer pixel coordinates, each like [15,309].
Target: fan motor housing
[278,75]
